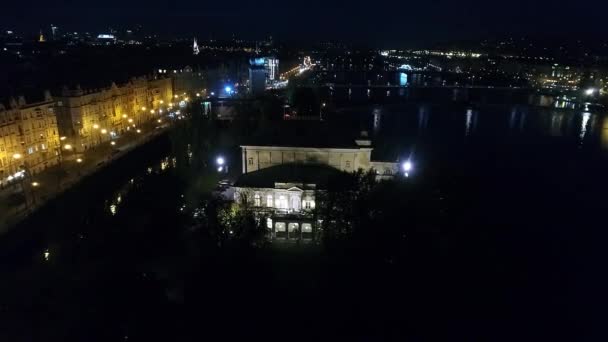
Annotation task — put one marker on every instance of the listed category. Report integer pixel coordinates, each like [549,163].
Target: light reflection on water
[117,198]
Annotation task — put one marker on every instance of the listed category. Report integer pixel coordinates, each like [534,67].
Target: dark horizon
[385,24]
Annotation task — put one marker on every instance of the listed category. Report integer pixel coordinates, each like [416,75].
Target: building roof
[303,134]
[288,173]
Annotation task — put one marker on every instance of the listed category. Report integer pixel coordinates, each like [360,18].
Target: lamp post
[221,164]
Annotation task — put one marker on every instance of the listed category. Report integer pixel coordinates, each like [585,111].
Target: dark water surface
[114,258]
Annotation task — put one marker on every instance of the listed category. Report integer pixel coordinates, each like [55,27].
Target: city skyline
[387,23]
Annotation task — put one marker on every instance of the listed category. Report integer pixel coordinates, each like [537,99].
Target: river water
[119,236]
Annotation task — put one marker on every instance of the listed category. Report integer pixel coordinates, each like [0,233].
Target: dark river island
[515,195]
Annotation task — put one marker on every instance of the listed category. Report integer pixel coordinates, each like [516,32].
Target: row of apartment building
[32,128]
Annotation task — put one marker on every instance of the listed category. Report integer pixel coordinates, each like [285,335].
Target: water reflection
[377,119]
[584,123]
[470,122]
[557,124]
[423,118]
[112,206]
[604,134]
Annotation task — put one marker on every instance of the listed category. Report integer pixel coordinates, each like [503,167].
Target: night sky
[378,22]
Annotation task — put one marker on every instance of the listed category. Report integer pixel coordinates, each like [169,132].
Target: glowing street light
[112,143]
[175,96]
[67,147]
[17,156]
[79,160]
[143,108]
[151,111]
[104,131]
[407,167]
[62,138]
[35,184]
[220,161]
[139,131]
[130,120]
[589,91]
[95,126]
[124,116]
[161,101]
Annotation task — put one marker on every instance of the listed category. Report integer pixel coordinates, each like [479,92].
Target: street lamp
[95,126]
[104,131]
[17,156]
[407,167]
[67,147]
[221,164]
[79,160]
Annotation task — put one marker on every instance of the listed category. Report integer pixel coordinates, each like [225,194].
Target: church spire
[195,49]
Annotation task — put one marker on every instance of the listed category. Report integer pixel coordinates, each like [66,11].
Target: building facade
[282,182]
[89,117]
[348,159]
[29,137]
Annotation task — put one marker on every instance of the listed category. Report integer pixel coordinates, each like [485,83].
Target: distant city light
[35,184]
[112,143]
[589,91]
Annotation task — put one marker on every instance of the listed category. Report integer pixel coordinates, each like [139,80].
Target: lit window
[257,200]
[269,201]
[250,161]
[30,150]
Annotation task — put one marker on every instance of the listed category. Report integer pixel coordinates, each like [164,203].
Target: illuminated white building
[282,181]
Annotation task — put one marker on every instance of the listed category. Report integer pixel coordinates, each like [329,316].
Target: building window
[30,150]
[269,201]
[348,164]
[388,172]
[250,161]
[257,201]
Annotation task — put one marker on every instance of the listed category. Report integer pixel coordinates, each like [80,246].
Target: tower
[195,49]
[41,38]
